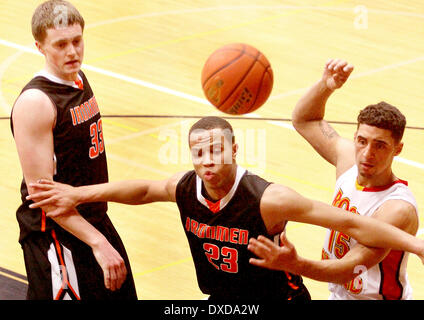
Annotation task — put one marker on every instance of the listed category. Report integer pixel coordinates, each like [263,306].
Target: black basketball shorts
[61,267]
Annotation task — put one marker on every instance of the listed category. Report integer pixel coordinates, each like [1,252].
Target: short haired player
[366,186]
[221,206]
[58,133]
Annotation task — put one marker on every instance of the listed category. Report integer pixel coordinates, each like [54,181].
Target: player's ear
[235,149]
[39,47]
[398,148]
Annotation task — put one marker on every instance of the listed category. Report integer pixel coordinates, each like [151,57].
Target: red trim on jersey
[213,206]
[381,188]
[291,284]
[78,82]
[43,221]
[390,286]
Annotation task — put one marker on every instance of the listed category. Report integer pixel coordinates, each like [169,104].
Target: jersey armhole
[178,193]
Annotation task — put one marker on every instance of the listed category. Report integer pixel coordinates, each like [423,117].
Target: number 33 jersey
[386,280]
[79,149]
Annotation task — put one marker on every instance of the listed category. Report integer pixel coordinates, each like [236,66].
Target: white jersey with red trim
[386,280]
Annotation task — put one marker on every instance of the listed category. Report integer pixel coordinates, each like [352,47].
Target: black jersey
[78,147]
[218,235]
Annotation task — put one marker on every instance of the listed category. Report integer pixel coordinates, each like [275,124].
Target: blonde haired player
[366,185]
[58,134]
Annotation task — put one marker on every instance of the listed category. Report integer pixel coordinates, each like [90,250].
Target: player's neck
[64,76]
[215,194]
[376,181]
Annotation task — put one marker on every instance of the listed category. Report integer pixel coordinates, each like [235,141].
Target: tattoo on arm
[327,130]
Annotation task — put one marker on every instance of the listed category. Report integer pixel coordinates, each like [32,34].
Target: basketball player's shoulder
[179,177]
[252,178]
[32,100]
[182,180]
[254,184]
[180,184]
[400,208]
[401,191]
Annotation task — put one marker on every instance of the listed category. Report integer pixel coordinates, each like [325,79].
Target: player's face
[64,51]
[375,149]
[213,155]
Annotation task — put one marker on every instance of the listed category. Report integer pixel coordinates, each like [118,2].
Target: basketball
[237,78]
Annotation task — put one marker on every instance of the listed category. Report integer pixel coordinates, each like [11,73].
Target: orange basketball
[237,78]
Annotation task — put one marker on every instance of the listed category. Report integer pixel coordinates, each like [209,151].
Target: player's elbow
[344,278]
[351,226]
[297,121]
[344,273]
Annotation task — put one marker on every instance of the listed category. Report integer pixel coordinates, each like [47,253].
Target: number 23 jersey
[218,235]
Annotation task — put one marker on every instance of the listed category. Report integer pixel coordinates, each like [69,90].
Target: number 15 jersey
[386,280]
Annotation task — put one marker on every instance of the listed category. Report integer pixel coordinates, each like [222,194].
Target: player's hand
[112,264]
[273,256]
[62,198]
[336,72]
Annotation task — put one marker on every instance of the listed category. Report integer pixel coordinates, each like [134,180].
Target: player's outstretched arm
[308,116]
[65,197]
[280,203]
[285,257]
